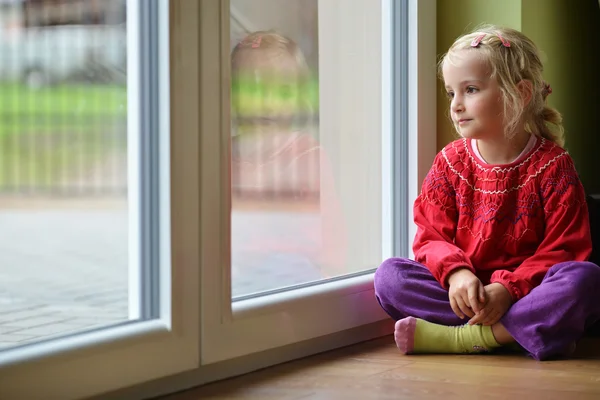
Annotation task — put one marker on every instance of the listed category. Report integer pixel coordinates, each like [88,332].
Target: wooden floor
[375,370]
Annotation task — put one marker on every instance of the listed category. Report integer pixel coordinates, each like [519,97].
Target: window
[63,181]
[97,265]
[191,309]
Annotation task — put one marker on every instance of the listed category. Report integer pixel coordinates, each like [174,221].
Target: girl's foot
[415,335]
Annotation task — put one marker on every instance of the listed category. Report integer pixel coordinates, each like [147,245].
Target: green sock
[419,336]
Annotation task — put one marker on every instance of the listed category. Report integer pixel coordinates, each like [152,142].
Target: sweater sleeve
[566,234]
[436,217]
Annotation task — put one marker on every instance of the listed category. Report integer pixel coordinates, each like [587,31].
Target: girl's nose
[457,104]
[269,103]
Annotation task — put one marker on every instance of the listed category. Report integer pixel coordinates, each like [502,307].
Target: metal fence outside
[63,162]
[63,97]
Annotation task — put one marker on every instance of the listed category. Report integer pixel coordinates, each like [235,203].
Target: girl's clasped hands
[484,305]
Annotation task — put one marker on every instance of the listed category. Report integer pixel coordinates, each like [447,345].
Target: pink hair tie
[477,40]
[546,90]
[505,43]
[254,43]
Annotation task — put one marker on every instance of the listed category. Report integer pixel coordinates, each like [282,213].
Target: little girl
[503,234]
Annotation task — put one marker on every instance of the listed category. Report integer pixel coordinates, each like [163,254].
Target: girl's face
[266,88]
[476,102]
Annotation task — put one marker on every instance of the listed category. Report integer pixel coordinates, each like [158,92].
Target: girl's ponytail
[548,122]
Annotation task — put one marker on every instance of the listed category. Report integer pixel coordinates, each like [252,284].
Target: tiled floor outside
[64,269]
[61,271]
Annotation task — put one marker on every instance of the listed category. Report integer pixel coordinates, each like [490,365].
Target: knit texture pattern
[507,223]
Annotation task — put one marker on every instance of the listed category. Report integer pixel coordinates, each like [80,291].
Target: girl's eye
[449,95]
[471,89]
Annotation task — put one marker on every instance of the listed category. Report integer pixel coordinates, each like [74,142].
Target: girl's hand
[499,301]
[467,294]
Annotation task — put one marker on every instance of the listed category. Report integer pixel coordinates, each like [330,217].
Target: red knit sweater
[506,223]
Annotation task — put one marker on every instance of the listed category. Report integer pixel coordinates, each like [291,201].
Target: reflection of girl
[276,161]
[272,155]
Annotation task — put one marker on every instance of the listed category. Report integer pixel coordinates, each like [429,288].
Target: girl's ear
[525,88]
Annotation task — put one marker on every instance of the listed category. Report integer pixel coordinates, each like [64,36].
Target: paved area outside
[61,271]
[65,269]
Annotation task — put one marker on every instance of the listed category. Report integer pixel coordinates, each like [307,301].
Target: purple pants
[547,322]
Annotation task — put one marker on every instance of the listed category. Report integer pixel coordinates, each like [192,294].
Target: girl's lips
[462,121]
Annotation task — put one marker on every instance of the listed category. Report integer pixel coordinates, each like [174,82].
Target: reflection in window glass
[286,218]
[63,168]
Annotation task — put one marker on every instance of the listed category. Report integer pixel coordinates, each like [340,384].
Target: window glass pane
[63,168]
[303,186]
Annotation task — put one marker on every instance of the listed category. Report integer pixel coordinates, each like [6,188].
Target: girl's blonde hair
[512,58]
[272,43]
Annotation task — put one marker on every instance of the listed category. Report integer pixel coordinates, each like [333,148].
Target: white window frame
[167,342]
[284,318]
[422,100]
